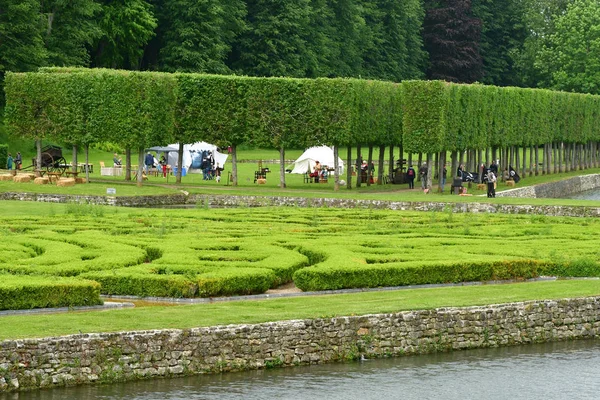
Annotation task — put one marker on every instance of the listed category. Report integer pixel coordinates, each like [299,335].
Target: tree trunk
[282,167]
[518,161]
[74,161]
[461,158]
[391,162]
[336,172]
[537,160]
[524,167]
[454,167]
[38,157]
[441,165]
[369,162]
[530,160]
[381,166]
[560,157]
[420,163]
[358,166]
[180,163]
[349,168]
[479,165]
[128,164]
[87,163]
[234,174]
[140,176]
[428,184]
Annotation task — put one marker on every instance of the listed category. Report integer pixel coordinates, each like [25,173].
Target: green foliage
[424,115]
[571,57]
[25,292]
[126,26]
[206,253]
[70,28]
[3,155]
[196,36]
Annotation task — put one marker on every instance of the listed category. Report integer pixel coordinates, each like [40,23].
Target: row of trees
[531,43]
[137,110]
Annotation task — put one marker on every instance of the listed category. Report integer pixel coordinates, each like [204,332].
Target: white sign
[111,191]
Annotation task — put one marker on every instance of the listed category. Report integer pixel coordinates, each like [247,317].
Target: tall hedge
[137,109]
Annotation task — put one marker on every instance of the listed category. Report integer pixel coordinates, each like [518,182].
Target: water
[565,370]
[593,194]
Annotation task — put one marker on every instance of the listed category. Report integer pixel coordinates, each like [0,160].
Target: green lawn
[250,312]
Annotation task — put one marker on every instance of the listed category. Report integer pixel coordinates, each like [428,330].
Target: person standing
[423,175]
[444,173]
[163,164]
[18,160]
[491,182]
[9,162]
[148,162]
[410,177]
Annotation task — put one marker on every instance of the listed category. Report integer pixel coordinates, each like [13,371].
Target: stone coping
[107,305]
[223,201]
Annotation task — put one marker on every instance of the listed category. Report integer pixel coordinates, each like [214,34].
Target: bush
[26,292]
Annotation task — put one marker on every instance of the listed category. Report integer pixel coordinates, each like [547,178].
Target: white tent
[323,154]
[192,154]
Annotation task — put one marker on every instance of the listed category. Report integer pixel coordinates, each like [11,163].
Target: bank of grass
[257,311]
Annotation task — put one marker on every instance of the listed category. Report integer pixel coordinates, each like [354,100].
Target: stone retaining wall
[112,357]
[262,201]
[555,190]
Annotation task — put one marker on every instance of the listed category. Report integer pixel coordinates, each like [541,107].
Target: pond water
[564,370]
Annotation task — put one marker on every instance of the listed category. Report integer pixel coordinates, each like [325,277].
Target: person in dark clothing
[148,162]
[18,160]
[423,175]
[410,177]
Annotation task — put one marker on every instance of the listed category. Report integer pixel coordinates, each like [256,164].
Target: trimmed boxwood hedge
[26,292]
[223,252]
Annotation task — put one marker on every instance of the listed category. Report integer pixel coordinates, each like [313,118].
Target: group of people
[150,161]
[423,171]
[319,172]
[17,161]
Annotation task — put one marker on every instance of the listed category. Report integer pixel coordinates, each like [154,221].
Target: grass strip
[257,311]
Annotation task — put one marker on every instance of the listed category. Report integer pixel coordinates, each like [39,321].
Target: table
[83,167]
[53,175]
[72,173]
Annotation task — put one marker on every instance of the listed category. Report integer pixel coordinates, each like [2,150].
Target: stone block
[22,178]
[6,177]
[510,183]
[261,181]
[64,182]
[80,180]
[481,186]
[40,181]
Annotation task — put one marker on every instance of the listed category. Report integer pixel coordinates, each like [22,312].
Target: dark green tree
[503,34]
[394,50]
[21,43]
[69,29]
[275,43]
[451,36]
[196,36]
[127,26]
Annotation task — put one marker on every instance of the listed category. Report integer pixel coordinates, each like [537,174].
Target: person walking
[410,177]
[423,175]
[18,160]
[9,162]
[491,183]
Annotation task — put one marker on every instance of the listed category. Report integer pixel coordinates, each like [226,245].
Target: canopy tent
[192,155]
[323,154]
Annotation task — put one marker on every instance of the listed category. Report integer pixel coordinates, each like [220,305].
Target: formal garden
[70,254]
